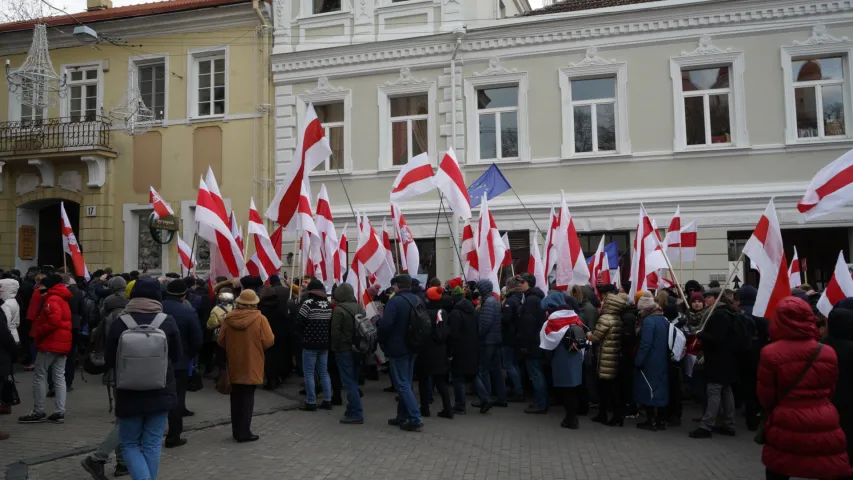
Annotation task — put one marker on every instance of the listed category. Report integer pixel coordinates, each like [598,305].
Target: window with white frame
[497,120]
[332,119]
[82,93]
[151,78]
[409,127]
[594,114]
[149,252]
[209,84]
[27,115]
[819,96]
[325,6]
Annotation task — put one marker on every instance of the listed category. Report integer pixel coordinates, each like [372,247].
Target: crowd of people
[583,349]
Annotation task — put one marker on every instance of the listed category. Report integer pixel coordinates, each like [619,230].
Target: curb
[20,470]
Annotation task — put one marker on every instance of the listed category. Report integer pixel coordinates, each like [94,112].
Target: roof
[578,5]
[128,11]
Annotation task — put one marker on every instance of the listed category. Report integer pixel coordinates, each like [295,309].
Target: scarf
[143,305]
[555,328]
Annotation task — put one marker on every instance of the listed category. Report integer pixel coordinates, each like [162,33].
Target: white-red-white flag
[386,244]
[596,263]
[469,253]
[312,149]
[450,182]
[328,235]
[672,240]
[685,251]
[555,328]
[213,226]
[647,256]
[571,263]
[415,178]
[765,249]
[340,260]
[71,247]
[410,256]
[795,278]
[371,254]
[265,255]
[840,287]
[507,261]
[491,248]
[830,189]
[606,277]
[186,255]
[161,208]
[236,231]
[535,265]
[550,258]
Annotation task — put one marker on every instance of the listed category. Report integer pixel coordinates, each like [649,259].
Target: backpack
[93,312]
[740,333]
[419,330]
[575,339]
[142,359]
[95,362]
[364,336]
[676,343]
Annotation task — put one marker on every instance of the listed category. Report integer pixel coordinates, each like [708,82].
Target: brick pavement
[505,444]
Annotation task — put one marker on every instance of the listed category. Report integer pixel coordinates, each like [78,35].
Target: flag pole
[528,212]
[453,239]
[677,284]
[192,249]
[681,263]
[293,265]
[722,291]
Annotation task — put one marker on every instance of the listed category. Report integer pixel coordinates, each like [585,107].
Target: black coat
[8,348]
[432,358]
[464,340]
[191,336]
[276,313]
[511,319]
[721,359]
[840,338]
[532,319]
[629,319]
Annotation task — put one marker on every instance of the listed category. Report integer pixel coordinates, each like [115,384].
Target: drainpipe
[262,170]
[459,33]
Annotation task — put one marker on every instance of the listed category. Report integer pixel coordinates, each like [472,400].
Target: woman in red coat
[804,436]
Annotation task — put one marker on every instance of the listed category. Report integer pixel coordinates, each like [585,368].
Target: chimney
[92,5]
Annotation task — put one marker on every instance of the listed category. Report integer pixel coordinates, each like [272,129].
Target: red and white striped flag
[686,249]
[596,263]
[469,253]
[839,287]
[605,271]
[550,259]
[450,182]
[328,235]
[386,243]
[340,260]
[507,261]
[491,247]
[186,255]
[265,255]
[161,208]
[571,263]
[71,247]
[236,231]
[795,278]
[555,328]
[830,189]
[535,266]
[373,256]
[312,149]
[766,251]
[415,178]
[647,256]
[212,219]
[672,240]
[410,257]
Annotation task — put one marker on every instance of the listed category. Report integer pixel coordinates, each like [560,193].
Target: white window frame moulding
[193,55]
[188,230]
[306,10]
[707,54]
[342,18]
[325,93]
[821,43]
[65,103]
[406,84]
[593,66]
[496,75]
[133,64]
[387,11]
[13,111]
[129,216]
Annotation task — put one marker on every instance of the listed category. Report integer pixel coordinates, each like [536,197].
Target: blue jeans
[140,443]
[490,363]
[511,367]
[403,371]
[459,392]
[320,359]
[349,379]
[537,378]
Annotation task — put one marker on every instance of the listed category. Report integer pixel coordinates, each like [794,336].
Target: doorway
[44,216]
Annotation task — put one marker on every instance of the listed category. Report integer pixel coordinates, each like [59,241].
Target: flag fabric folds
[764,248]
[469,253]
[555,328]
[536,267]
[410,257]
[647,256]
[491,249]
[449,181]
[795,278]
[491,184]
[328,235]
[571,264]
[269,262]
[161,208]
[839,287]
[226,257]
[71,247]
[415,178]
[830,189]
[186,255]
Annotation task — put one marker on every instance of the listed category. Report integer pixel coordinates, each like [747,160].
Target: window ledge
[806,143]
[593,156]
[208,118]
[711,149]
[503,161]
[330,173]
[318,17]
[404,6]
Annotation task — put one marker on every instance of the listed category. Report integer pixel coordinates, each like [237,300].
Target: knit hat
[637,296]
[457,294]
[696,297]
[402,281]
[146,287]
[434,293]
[454,282]
[646,303]
[51,281]
[177,288]
[315,284]
[116,284]
[553,301]
[248,297]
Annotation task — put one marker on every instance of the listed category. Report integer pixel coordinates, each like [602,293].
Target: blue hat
[553,300]
[146,287]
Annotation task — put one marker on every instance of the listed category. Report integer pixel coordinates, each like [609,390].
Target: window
[149,252]
[331,117]
[27,115]
[152,86]
[497,116]
[82,93]
[326,6]
[409,127]
[594,112]
[208,95]
[819,96]
[32,115]
[706,95]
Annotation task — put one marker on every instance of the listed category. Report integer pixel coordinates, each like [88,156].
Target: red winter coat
[52,330]
[804,436]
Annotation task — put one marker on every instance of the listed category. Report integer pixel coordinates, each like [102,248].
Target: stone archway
[38,239]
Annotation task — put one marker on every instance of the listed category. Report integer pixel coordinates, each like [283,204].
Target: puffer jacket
[532,319]
[490,315]
[51,331]
[804,436]
[8,292]
[608,336]
[343,318]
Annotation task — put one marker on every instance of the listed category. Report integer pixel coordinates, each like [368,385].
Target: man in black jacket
[510,321]
[532,319]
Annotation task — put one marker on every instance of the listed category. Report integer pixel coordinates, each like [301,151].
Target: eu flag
[612,252]
[491,182]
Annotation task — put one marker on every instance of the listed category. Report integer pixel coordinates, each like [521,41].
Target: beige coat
[245,334]
[608,336]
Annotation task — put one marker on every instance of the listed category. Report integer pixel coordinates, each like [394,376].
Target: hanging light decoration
[36,83]
[131,112]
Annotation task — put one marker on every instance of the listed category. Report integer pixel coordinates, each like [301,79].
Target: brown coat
[245,334]
[608,334]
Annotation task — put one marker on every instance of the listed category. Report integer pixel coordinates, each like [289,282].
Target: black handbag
[9,392]
[761,434]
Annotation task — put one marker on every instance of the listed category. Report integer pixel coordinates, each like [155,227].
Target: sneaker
[446,414]
[326,405]
[411,427]
[175,443]
[352,421]
[94,468]
[33,418]
[308,407]
[425,412]
[56,418]
[536,411]
[700,433]
[459,411]
[724,431]
[393,422]
[121,471]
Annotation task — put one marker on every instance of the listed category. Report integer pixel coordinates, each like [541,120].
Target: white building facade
[714,105]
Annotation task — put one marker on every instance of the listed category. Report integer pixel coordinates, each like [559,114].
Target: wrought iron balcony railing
[55,134]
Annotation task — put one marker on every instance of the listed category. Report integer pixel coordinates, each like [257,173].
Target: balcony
[55,136]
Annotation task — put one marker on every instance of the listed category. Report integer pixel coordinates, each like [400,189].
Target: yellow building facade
[202,67]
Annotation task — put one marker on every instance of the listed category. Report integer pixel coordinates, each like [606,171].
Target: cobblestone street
[505,444]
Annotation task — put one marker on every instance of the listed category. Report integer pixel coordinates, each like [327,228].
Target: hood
[589,296]
[344,293]
[535,292]
[242,318]
[614,304]
[747,294]
[553,301]
[840,324]
[794,321]
[220,285]
[117,284]
[114,301]
[485,287]
[8,288]
[464,306]
[60,291]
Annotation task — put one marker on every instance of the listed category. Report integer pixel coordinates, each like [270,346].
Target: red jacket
[35,305]
[52,329]
[804,436]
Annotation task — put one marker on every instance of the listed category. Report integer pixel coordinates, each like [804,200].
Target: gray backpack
[142,359]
